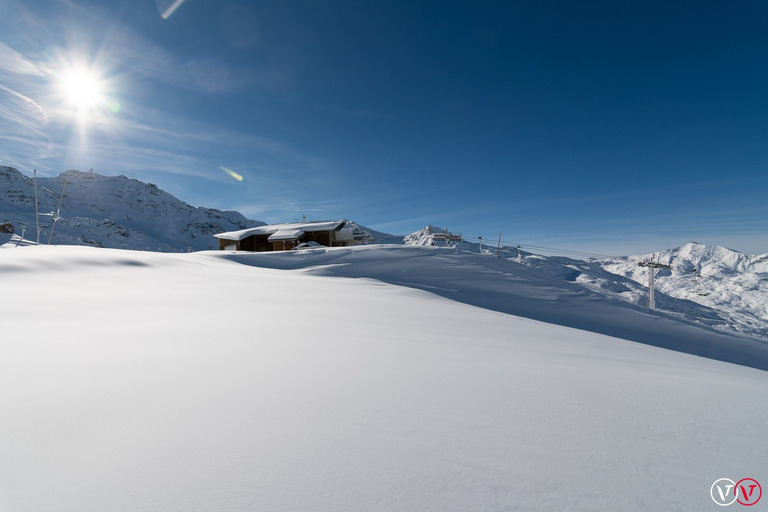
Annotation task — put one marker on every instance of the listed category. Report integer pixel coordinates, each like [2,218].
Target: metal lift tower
[652,266]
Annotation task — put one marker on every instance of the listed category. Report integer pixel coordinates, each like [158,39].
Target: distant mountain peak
[705,258]
[711,275]
[424,236]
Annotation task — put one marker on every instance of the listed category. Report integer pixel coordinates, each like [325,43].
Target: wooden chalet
[284,237]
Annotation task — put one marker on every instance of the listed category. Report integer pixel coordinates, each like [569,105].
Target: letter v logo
[723,492]
[751,492]
[727,491]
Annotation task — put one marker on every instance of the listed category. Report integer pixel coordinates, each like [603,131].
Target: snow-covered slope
[710,285]
[731,292]
[205,381]
[113,211]
[551,290]
[369,235]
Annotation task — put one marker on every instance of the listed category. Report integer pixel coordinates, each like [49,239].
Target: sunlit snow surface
[217,381]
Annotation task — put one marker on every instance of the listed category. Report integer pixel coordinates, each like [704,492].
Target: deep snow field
[376,378]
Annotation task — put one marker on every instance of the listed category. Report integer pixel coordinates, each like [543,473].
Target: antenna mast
[58,209]
[652,266]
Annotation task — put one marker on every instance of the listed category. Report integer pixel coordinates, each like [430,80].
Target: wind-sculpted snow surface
[189,382]
[710,285]
[550,293]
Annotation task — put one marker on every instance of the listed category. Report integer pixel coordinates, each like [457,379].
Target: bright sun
[81,92]
[82,88]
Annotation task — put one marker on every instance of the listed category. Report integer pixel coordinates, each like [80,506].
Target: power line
[550,249]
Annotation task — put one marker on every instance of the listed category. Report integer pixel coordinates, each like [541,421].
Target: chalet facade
[284,237]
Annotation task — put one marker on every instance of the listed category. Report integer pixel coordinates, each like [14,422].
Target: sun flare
[82,88]
[84,91]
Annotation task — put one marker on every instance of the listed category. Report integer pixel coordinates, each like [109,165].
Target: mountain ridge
[111,211]
[121,213]
[708,284]
[710,275]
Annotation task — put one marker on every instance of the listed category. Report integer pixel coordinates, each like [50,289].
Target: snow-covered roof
[286,234]
[282,231]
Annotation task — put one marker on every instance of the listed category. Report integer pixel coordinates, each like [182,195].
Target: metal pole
[652,266]
[651,298]
[37,215]
[58,209]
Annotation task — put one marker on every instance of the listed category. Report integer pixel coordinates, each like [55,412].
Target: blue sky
[598,126]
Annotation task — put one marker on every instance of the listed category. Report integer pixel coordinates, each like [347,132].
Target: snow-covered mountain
[710,285]
[426,236]
[120,213]
[111,211]
[715,277]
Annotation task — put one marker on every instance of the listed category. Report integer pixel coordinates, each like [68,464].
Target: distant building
[7,227]
[284,237]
